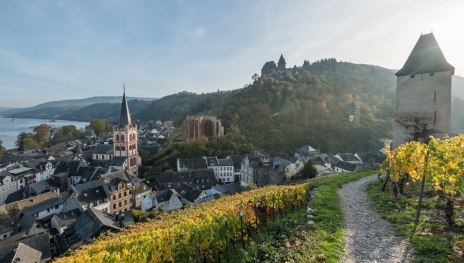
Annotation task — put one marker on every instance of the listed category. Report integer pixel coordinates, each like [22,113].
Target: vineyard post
[421,194]
[241,228]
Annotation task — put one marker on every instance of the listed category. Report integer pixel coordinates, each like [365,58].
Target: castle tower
[125,138]
[423,94]
[281,64]
[354,114]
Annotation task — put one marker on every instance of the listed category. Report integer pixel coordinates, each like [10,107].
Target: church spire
[125,118]
[281,64]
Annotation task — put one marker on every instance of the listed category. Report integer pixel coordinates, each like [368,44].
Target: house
[190,195]
[185,165]
[166,200]
[120,193]
[92,195]
[40,242]
[44,186]
[141,190]
[45,210]
[306,153]
[85,228]
[202,179]
[345,167]
[348,157]
[257,168]
[9,184]
[61,221]
[226,172]
[237,159]
[213,164]
[284,166]
[43,168]
[22,253]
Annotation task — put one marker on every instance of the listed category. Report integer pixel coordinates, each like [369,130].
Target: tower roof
[426,57]
[125,118]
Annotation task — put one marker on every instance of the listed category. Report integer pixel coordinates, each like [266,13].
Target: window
[120,204]
[119,195]
[125,193]
[95,203]
[434,97]
[114,206]
[56,206]
[48,210]
[125,202]
[114,197]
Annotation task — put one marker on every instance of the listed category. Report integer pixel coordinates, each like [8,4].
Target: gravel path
[368,238]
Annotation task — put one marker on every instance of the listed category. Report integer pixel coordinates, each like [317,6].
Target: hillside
[63,109]
[282,112]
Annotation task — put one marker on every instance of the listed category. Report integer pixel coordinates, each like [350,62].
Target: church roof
[426,57]
[125,118]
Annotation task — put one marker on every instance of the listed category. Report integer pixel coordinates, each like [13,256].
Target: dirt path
[368,238]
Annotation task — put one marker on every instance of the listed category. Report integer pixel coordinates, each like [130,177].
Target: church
[123,154]
[423,94]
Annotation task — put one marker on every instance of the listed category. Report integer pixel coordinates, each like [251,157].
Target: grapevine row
[195,234]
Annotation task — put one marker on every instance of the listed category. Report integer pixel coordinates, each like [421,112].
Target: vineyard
[198,233]
[426,180]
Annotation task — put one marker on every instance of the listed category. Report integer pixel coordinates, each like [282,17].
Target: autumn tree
[26,141]
[41,133]
[98,126]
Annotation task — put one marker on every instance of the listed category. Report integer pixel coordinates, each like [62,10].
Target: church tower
[125,138]
[423,94]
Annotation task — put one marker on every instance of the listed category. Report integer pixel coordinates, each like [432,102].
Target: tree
[41,133]
[26,141]
[98,126]
[309,171]
[2,149]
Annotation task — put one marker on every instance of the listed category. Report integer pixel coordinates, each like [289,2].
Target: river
[10,128]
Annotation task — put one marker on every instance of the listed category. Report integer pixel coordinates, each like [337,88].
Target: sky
[55,50]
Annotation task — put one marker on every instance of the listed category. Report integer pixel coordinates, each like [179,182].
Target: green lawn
[433,240]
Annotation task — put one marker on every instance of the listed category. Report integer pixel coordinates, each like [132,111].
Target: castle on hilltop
[270,68]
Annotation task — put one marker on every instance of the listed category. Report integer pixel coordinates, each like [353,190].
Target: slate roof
[103,149]
[69,166]
[196,164]
[226,162]
[306,149]
[23,253]
[345,166]
[237,159]
[348,157]
[163,195]
[227,188]
[42,187]
[212,161]
[203,179]
[188,192]
[66,219]
[90,224]
[40,242]
[118,161]
[91,195]
[124,118]
[43,206]
[426,57]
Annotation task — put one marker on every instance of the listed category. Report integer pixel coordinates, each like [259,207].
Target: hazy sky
[53,50]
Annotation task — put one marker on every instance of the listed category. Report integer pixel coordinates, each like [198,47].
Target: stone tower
[354,114]
[125,138]
[281,64]
[423,94]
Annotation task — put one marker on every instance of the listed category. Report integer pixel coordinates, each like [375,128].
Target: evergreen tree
[309,171]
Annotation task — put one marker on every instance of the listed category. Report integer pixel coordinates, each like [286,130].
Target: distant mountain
[2,109]
[70,109]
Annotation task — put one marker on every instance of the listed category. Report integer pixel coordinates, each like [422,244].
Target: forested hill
[308,106]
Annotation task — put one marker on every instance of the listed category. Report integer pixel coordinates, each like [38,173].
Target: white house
[349,158]
[9,184]
[226,170]
[45,209]
[165,200]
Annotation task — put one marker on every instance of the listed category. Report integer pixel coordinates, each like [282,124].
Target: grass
[291,239]
[432,239]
